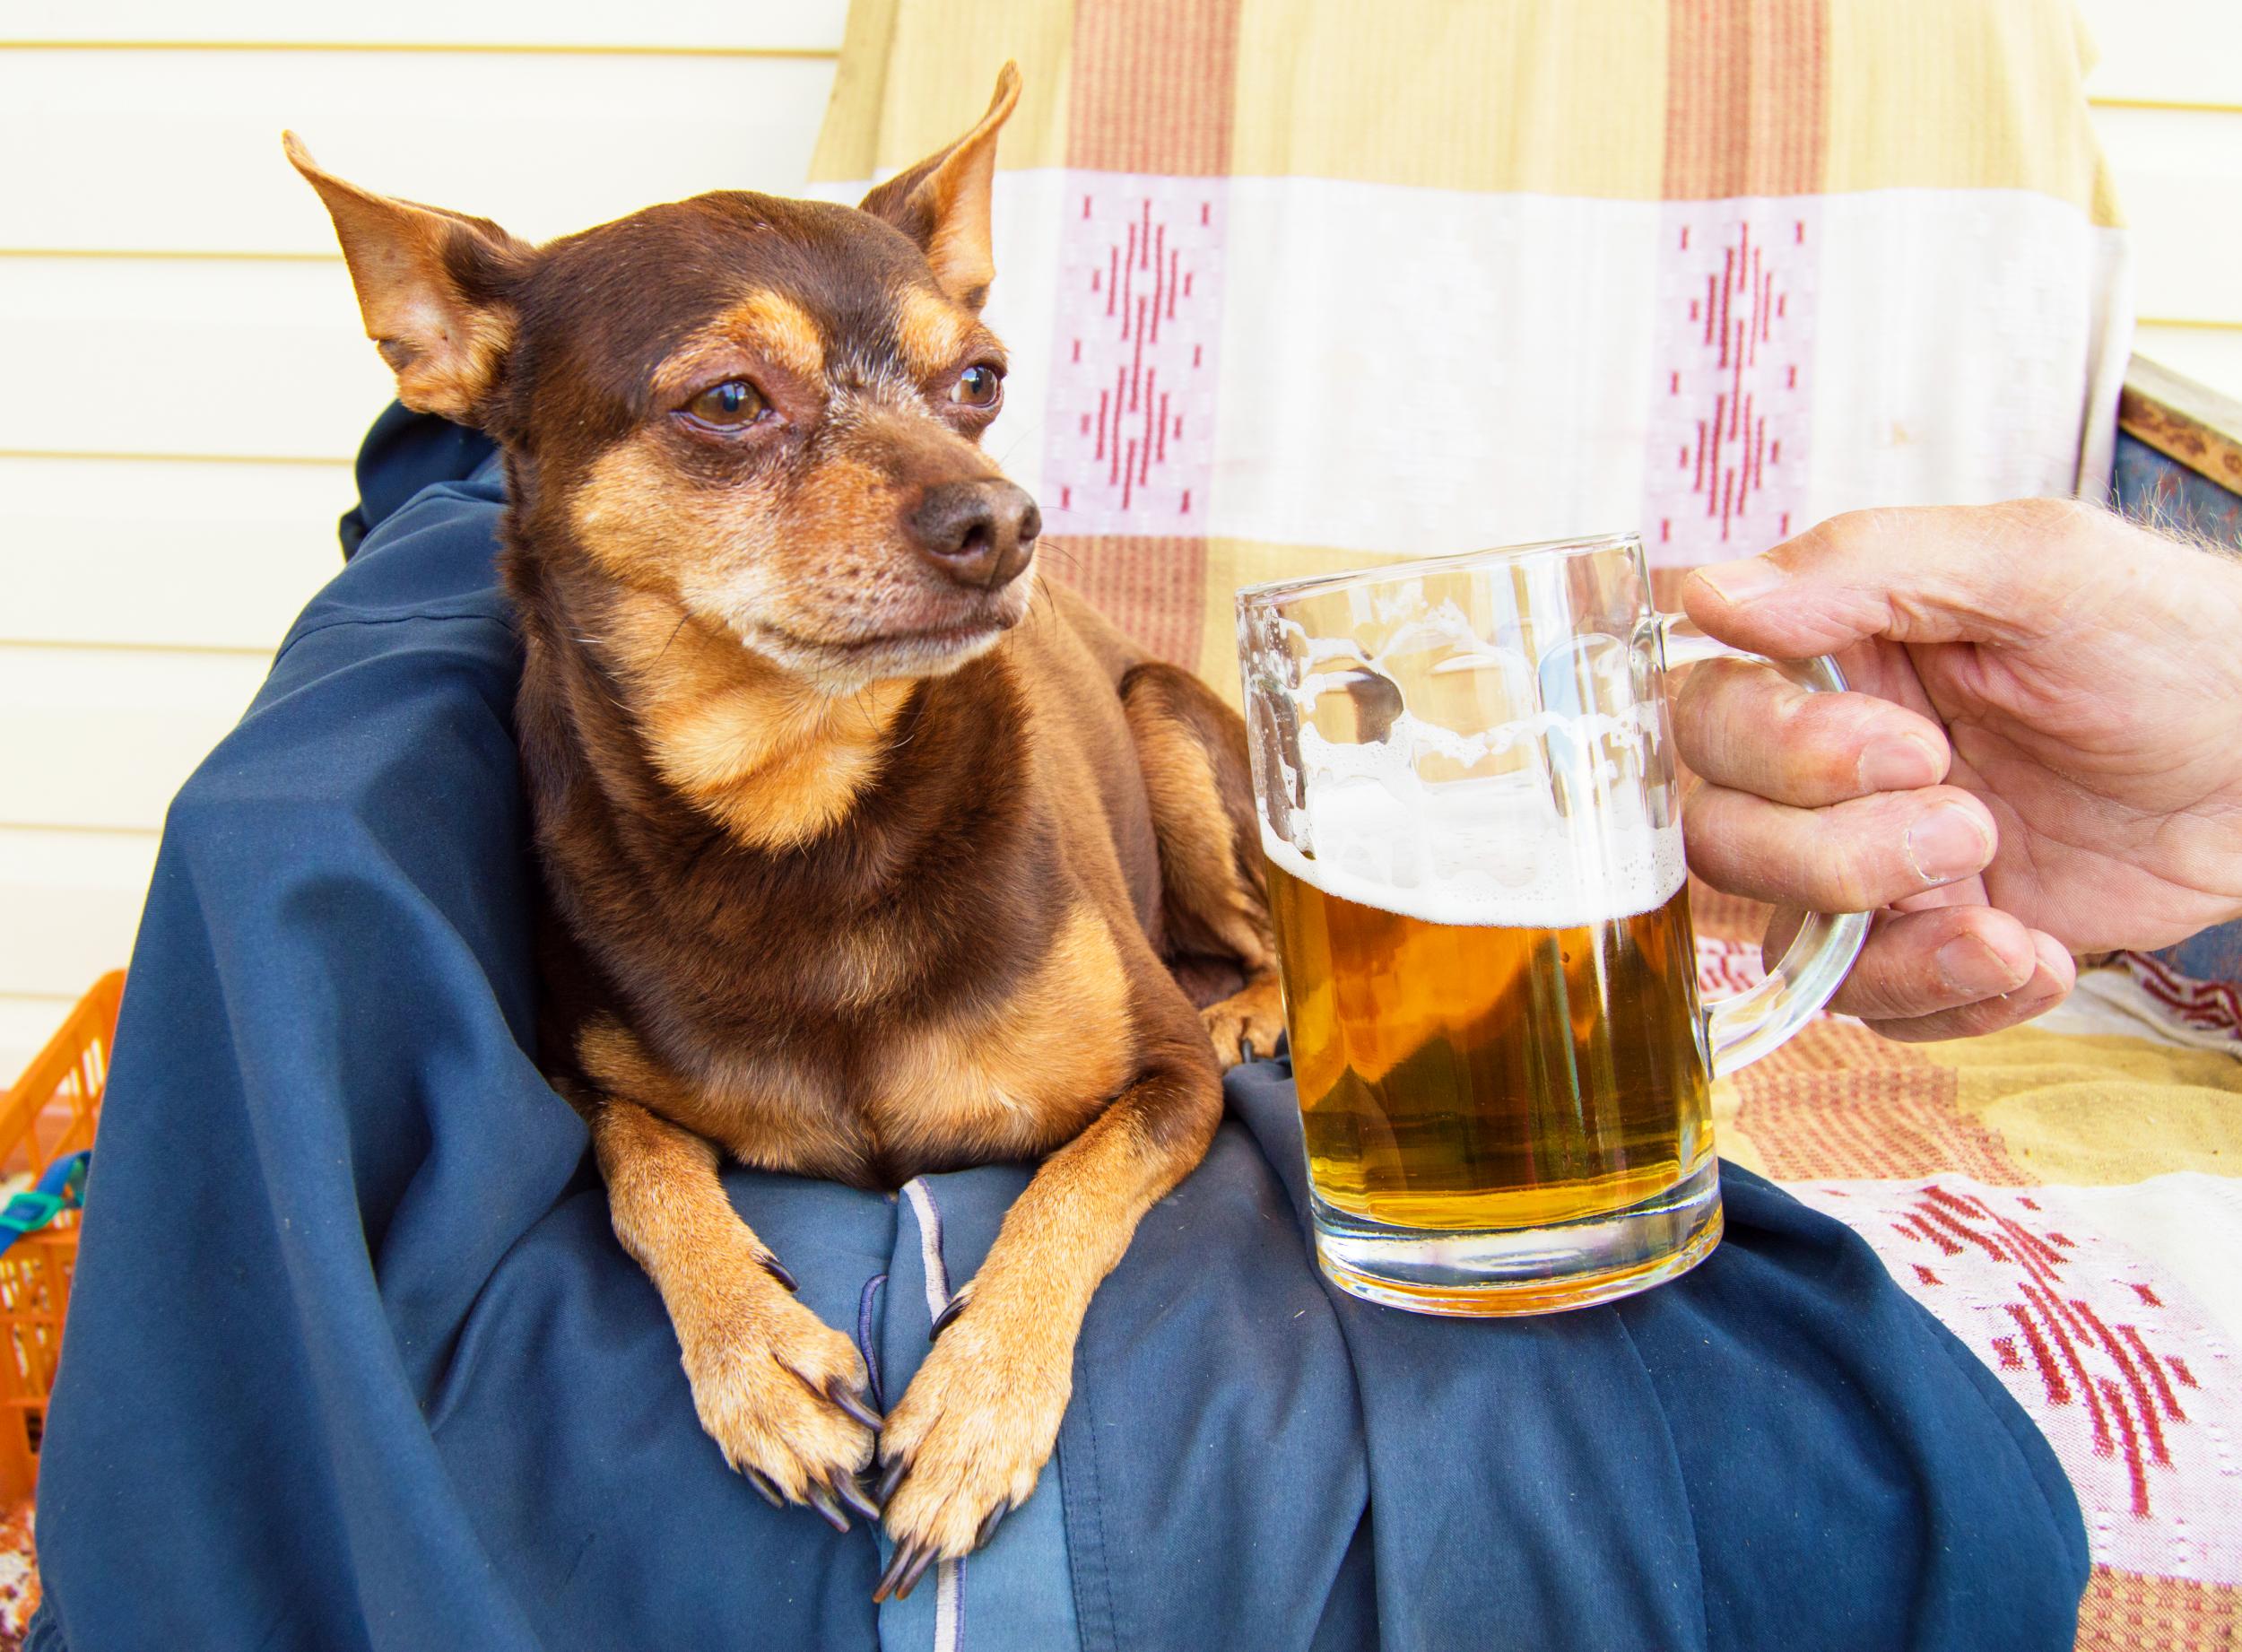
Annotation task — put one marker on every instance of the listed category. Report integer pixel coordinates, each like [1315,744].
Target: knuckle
[2054,519]
[1848,533]
[1849,883]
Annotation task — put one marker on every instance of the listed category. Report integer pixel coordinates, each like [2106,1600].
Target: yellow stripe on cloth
[1234,563]
[2021,1107]
[2098,1111]
[913,77]
[1511,95]
[1623,99]
[1928,95]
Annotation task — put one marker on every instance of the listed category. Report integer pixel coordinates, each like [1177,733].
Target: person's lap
[354,1358]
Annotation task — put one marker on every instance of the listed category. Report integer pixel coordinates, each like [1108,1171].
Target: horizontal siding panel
[2180,51]
[158,553]
[74,901]
[103,738]
[179,152]
[145,356]
[2211,356]
[2179,180]
[721,25]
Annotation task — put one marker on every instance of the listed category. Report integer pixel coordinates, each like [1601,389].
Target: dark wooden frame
[2183,420]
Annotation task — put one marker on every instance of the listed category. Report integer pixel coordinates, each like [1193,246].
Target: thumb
[1989,573]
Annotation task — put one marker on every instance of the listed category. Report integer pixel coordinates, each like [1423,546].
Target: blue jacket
[354,1361]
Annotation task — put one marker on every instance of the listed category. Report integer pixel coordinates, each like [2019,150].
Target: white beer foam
[1489,853]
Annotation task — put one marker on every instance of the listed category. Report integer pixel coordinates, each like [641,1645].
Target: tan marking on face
[772,756]
[1032,1073]
[798,577]
[933,332]
[640,523]
[766,324]
[754,1355]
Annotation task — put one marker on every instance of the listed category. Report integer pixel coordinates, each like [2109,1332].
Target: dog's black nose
[977,533]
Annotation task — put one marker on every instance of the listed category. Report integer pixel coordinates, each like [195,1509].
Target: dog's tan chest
[775,761]
[1024,1078]
[1012,1082]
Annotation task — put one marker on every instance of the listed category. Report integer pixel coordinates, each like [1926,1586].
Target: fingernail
[2053,956]
[1896,763]
[1967,964]
[1742,581]
[1948,843]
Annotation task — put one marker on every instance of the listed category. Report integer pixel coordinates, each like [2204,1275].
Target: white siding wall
[2167,103]
[185,378]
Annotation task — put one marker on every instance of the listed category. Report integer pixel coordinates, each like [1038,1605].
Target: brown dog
[872,855]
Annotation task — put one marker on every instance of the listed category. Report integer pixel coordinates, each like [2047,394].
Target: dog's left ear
[942,202]
[434,287]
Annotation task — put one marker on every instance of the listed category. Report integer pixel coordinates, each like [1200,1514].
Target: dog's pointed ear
[434,288]
[942,202]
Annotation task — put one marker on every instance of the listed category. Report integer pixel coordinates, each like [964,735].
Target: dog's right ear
[434,288]
[942,203]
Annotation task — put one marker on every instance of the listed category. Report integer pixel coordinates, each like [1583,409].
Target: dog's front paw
[781,1392]
[1249,1022]
[964,1447]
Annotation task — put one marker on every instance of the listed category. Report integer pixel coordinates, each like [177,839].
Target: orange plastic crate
[49,1115]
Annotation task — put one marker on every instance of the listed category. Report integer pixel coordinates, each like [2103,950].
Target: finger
[2054,974]
[1988,573]
[1851,857]
[1750,729]
[1947,958]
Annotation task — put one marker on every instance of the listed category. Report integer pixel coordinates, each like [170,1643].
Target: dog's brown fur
[858,872]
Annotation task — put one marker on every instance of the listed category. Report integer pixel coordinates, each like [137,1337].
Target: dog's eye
[731,405]
[977,386]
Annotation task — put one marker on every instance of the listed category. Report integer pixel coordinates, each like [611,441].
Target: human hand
[2042,757]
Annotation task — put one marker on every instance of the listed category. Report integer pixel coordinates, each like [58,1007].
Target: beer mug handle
[1745,1028]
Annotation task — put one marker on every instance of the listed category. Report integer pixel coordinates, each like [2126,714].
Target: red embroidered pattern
[1130,442]
[2133,1386]
[1730,410]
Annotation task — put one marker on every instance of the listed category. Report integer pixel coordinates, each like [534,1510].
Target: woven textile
[1294,286]
[2068,1206]
[1291,288]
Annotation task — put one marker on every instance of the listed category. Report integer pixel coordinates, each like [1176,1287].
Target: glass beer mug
[1464,777]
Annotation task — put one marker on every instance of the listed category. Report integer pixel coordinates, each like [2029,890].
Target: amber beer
[1464,777]
[1475,1075]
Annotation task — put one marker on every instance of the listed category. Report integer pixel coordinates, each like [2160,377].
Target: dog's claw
[892,1584]
[911,1575]
[778,1271]
[821,1499]
[848,1400]
[1245,1052]
[852,1493]
[989,1525]
[890,1477]
[763,1485]
[905,1568]
[950,1311]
